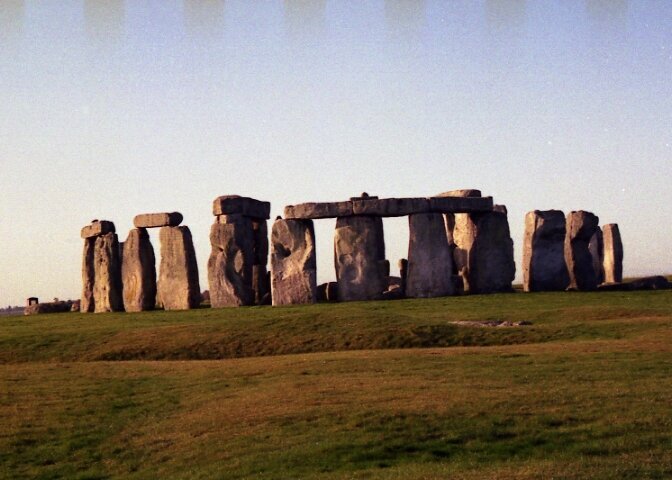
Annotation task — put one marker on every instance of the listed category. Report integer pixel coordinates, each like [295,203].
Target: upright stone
[493,267]
[87,303]
[482,248]
[403,273]
[613,254]
[429,257]
[107,293]
[293,263]
[138,272]
[260,284]
[580,227]
[231,262]
[359,256]
[544,267]
[596,247]
[178,286]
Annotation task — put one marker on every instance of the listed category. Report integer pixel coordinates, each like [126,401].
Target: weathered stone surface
[613,253]
[544,267]
[389,207]
[152,220]
[483,252]
[87,305]
[230,271]
[233,218]
[596,247]
[260,284]
[178,286]
[359,257]
[403,273]
[327,292]
[97,228]
[393,283]
[460,205]
[232,204]
[138,272]
[580,227]
[107,293]
[293,262]
[260,242]
[50,307]
[463,193]
[429,257]
[656,282]
[500,209]
[313,210]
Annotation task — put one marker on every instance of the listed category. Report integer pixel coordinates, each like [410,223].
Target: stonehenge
[359,258]
[237,272]
[544,267]
[293,263]
[613,254]
[459,242]
[596,248]
[138,271]
[178,286]
[570,253]
[430,265]
[580,228]
[107,295]
[101,269]
[122,276]
[482,246]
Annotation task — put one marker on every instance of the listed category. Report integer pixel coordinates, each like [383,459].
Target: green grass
[584,392]
[243,332]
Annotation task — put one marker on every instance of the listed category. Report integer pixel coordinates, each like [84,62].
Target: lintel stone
[308,211]
[97,228]
[233,204]
[388,207]
[153,220]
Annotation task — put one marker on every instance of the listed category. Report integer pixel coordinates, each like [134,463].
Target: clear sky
[109,108]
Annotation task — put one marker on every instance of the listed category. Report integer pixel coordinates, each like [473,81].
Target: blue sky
[113,108]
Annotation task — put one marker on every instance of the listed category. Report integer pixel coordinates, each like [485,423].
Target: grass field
[388,390]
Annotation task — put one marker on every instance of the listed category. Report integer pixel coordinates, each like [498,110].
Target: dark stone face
[581,226]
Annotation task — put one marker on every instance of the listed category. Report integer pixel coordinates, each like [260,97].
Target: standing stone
[482,250]
[429,257]
[178,286]
[293,262]
[493,268]
[544,267]
[87,303]
[260,285]
[107,294]
[230,266]
[359,256]
[403,273]
[596,247]
[613,254]
[482,247]
[581,227]
[260,245]
[138,272]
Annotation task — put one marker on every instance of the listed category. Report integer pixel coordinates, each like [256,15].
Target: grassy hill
[343,391]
